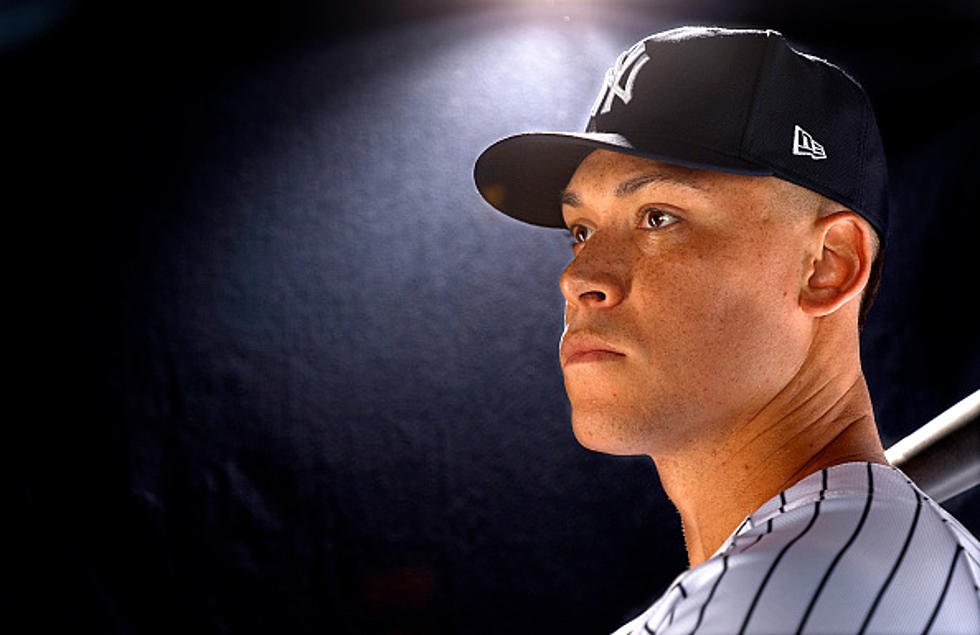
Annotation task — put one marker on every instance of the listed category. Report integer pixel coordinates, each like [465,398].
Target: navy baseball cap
[731,100]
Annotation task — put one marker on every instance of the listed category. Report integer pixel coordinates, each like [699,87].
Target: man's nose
[598,276]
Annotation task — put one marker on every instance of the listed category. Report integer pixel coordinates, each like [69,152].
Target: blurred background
[280,368]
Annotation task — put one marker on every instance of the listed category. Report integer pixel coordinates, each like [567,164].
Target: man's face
[682,317]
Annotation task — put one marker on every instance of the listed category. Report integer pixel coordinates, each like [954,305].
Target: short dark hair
[871,289]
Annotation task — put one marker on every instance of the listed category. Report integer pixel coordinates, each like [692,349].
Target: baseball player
[727,207]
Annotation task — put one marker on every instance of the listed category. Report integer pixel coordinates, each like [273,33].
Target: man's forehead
[605,164]
[623,174]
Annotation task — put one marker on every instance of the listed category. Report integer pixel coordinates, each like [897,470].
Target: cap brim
[523,175]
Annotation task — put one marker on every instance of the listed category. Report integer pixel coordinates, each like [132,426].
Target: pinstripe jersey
[855,548]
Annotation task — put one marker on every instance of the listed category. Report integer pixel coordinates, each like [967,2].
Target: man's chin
[602,434]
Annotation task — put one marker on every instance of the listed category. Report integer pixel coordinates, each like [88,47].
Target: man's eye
[657,218]
[580,233]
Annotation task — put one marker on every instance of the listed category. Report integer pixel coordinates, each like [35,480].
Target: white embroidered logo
[805,145]
[629,64]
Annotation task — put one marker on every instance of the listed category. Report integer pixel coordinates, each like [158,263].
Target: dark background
[281,370]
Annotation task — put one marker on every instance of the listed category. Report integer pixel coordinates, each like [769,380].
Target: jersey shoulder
[834,556]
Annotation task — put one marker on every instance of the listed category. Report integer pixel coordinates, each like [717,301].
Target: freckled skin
[736,316]
[703,308]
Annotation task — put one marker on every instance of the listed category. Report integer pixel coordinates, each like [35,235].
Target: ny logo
[626,68]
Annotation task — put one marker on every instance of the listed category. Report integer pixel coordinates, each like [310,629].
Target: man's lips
[583,347]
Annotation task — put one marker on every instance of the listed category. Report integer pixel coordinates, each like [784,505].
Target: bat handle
[943,456]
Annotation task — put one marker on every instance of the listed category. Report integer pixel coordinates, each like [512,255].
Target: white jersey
[855,548]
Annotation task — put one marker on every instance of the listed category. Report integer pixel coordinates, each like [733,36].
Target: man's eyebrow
[629,186]
[570,198]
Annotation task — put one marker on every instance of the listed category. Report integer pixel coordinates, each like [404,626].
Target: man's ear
[840,263]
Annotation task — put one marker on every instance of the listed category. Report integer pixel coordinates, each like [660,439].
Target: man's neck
[806,428]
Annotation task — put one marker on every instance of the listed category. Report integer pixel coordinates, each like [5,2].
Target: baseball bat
[943,456]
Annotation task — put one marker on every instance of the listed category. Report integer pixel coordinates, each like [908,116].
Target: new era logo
[805,145]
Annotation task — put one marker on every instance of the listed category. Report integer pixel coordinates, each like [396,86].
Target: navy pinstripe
[854,548]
